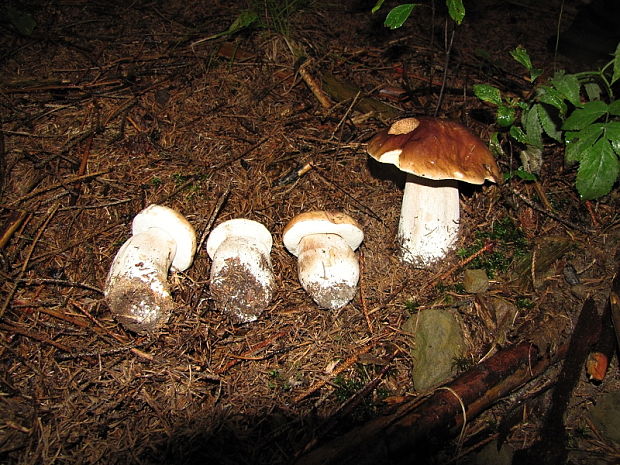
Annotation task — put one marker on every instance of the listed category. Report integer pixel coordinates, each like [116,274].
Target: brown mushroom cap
[435,149]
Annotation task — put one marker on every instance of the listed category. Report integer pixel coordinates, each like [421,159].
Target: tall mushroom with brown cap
[324,244]
[435,154]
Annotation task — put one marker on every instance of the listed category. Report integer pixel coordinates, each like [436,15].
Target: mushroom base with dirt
[324,244]
[136,288]
[328,270]
[242,283]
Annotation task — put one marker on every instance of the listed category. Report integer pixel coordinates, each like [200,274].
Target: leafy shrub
[577,110]
[399,14]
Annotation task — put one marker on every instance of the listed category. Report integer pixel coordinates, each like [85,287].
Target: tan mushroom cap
[321,222]
[435,149]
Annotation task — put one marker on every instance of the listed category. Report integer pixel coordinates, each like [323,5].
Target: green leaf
[612,130]
[582,117]
[597,171]
[517,134]
[578,142]
[377,6]
[524,175]
[547,123]
[23,21]
[552,96]
[616,74]
[614,108]
[456,10]
[488,93]
[521,56]
[533,129]
[505,116]
[398,15]
[612,133]
[568,87]
[593,90]
[495,146]
[243,20]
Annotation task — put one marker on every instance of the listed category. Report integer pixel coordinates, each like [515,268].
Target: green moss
[524,302]
[509,243]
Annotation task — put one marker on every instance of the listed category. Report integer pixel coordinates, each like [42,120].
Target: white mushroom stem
[328,269]
[136,287]
[242,281]
[429,220]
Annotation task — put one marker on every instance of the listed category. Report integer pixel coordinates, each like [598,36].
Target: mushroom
[242,282]
[435,154]
[136,288]
[324,243]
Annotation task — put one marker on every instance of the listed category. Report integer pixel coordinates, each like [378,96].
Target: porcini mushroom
[242,282]
[324,243]
[435,154]
[136,288]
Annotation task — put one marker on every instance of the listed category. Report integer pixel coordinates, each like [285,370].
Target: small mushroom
[436,154]
[324,243]
[136,288]
[242,282]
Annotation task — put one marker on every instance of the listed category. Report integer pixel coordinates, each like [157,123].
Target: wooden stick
[339,369]
[345,408]
[362,298]
[392,438]
[13,224]
[314,85]
[249,353]
[24,266]
[59,185]
[36,336]
[117,337]
[550,214]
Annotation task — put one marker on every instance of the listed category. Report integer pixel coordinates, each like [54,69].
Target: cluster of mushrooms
[434,153]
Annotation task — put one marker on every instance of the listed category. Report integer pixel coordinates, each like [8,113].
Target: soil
[108,107]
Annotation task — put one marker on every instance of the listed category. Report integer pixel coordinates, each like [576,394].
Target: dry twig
[24,266]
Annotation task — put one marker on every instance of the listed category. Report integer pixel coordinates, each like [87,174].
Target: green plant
[411,306]
[461,364]
[277,381]
[23,21]
[509,243]
[397,16]
[266,14]
[524,303]
[346,387]
[577,110]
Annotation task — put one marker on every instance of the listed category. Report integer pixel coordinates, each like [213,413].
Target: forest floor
[108,107]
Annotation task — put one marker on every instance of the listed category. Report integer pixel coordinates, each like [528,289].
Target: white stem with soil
[328,269]
[137,285]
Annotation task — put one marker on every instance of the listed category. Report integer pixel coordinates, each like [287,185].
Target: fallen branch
[24,267]
[314,86]
[393,438]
